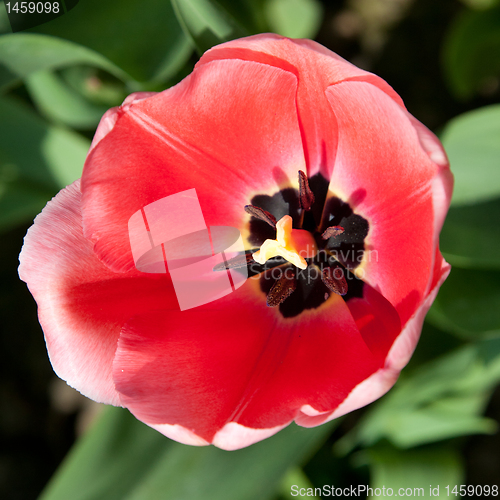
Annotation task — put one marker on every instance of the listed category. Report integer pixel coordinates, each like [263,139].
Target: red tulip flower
[339,195]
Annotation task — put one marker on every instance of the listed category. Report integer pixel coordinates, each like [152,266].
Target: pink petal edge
[83,360]
[108,120]
[381,381]
[180,434]
[232,436]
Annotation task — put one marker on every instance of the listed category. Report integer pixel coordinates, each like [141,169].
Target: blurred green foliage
[123,32]
[36,160]
[473,147]
[471,52]
[121,460]
[418,470]
[56,81]
[441,399]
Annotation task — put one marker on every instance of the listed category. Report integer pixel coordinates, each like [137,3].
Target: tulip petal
[109,118]
[221,131]
[249,366]
[442,183]
[325,356]
[381,381]
[235,436]
[180,434]
[81,304]
[405,344]
[168,372]
[384,173]
[376,319]
[231,437]
[316,68]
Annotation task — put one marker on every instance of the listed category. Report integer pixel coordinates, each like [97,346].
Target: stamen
[283,288]
[334,279]
[332,231]
[306,196]
[236,262]
[294,245]
[261,214]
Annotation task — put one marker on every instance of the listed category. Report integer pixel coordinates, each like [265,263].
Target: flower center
[294,245]
[299,269]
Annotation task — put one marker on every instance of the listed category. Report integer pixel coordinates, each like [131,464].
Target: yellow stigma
[294,245]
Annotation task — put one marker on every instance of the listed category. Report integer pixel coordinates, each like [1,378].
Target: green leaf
[60,103]
[122,459]
[4,19]
[142,38]
[437,422]
[294,18]
[22,54]
[470,236]
[94,85]
[65,153]
[442,399]
[468,303]
[36,159]
[418,472]
[471,52]
[472,142]
[207,23]
[37,152]
[108,461]
[295,477]
[247,13]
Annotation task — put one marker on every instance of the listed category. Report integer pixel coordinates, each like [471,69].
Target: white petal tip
[180,434]
[234,436]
